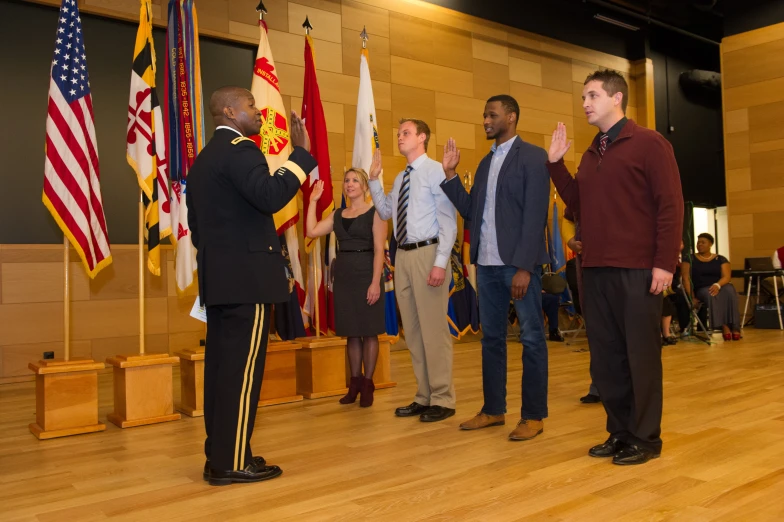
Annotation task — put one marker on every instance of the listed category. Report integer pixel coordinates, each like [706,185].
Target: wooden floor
[723,455]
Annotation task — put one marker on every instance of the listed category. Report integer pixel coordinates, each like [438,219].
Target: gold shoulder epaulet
[240,139]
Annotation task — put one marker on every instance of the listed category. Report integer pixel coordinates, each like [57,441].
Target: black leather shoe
[632,454]
[610,448]
[259,461]
[436,413]
[251,473]
[556,336]
[412,409]
[590,399]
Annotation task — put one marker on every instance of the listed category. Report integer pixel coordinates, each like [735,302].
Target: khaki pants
[423,310]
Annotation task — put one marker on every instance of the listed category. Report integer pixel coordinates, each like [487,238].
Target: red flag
[313,114]
[72,191]
[316,124]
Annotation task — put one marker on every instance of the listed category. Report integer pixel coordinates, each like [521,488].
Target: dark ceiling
[689,28]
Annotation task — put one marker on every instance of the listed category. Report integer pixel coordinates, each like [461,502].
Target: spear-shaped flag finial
[307,26]
[261,10]
[364,37]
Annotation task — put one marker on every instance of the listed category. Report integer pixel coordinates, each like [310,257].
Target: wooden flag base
[192,382]
[321,367]
[66,398]
[279,384]
[142,389]
[382,377]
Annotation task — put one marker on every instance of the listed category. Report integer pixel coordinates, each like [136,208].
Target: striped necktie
[402,207]
[603,144]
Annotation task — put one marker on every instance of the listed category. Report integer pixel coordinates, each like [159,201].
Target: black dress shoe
[436,413]
[251,473]
[259,461]
[610,448]
[556,336]
[590,399]
[412,409]
[632,454]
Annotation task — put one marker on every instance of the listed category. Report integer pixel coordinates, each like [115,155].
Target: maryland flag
[273,140]
[146,142]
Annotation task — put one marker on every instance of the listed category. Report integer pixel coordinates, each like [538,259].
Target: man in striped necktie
[425,227]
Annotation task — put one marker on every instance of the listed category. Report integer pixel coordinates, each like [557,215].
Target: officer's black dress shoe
[632,454]
[252,473]
[610,448]
[259,461]
[412,409]
[590,399]
[556,336]
[436,413]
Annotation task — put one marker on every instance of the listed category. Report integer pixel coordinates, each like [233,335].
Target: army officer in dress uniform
[231,198]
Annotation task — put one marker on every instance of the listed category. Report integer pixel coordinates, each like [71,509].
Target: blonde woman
[359,308]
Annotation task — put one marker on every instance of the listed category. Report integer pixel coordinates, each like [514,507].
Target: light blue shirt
[430,213]
[488,239]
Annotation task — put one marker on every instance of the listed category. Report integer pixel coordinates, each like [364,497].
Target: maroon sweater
[629,202]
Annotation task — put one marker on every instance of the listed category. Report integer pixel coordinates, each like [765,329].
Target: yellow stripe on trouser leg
[244,442]
[240,415]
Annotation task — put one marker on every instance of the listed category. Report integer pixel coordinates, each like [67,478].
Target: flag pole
[66,300]
[315,292]
[141,274]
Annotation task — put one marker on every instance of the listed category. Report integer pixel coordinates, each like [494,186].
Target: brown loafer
[527,429]
[483,420]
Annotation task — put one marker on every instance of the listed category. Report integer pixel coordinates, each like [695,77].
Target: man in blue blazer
[507,210]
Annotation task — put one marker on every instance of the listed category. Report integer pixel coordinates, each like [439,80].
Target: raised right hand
[318,190]
[375,166]
[559,146]
[299,134]
[451,158]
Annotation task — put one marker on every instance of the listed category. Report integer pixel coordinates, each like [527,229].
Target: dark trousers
[550,305]
[624,336]
[233,367]
[495,283]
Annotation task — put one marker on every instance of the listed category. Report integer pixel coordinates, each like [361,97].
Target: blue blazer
[522,197]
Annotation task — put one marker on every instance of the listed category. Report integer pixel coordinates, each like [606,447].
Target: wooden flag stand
[66,390]
[143,382]
[191,381]
[321,366]
[279,384]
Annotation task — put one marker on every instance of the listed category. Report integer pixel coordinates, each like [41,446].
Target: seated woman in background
[706,278]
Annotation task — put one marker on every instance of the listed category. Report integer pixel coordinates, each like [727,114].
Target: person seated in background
[706,278]
[550,306]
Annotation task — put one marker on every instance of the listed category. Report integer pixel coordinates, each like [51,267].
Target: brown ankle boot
[366,400]
[353,390]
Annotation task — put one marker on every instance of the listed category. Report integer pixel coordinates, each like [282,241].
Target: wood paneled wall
[426,62]
[104,311]
[753,89]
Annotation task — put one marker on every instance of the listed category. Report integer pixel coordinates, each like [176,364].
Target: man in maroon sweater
[627,197]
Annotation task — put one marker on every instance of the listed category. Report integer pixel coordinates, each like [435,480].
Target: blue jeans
[495,292]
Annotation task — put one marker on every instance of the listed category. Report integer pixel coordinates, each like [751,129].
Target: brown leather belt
[413,246]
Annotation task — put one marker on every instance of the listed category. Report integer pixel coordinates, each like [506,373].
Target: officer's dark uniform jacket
[231,198]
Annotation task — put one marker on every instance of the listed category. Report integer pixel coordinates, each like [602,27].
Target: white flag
[366,130]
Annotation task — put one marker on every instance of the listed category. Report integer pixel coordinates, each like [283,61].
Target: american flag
[72,192]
